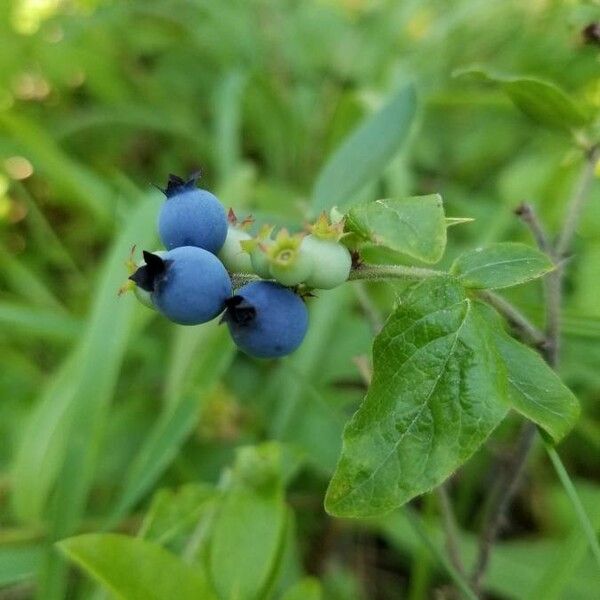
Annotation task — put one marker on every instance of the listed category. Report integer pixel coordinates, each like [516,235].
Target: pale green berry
[288,264]
[331,260]
[232,255]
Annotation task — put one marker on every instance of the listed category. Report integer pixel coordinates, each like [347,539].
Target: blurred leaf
[74,182]
[20,318]
[365,152]
[308,588]
[438,391]
[415,226]
[248,533]
[135,569]
[175,512]
[501,265]
[517,566]
[542,101]
[18,563]
[213,351]
[535,390]
[72,405]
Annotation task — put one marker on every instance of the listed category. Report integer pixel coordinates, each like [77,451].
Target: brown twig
[522,326]
[507,486]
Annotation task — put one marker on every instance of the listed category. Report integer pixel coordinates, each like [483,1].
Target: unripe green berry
[235,259]
[331,260]
[288,264]
[257,249]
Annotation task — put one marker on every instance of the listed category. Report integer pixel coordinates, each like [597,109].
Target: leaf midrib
[425,402]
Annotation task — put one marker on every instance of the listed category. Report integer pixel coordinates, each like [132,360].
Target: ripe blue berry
[188,285]
[191,217]
[266,320]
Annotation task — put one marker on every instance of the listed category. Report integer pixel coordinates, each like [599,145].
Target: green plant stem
[450,528]
[584,520]
[369,272]
[422,533]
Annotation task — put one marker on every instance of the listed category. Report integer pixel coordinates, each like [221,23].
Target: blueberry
[266,320]
[191,217]
[188,285]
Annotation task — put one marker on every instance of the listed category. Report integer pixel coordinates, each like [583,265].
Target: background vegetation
[112,418]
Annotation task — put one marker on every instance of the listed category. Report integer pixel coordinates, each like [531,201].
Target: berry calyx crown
[177,185]
[324,229]
[261,242]
[233,221]
[147,276]
[284,251]
[238,310]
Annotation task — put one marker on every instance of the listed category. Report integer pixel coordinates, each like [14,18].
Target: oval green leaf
[136,569]
[542,101]
[365,152]
[249,531]
[415,226]
[501,265]
[438,391]
[535,390]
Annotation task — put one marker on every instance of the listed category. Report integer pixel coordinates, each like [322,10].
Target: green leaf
[501,265]
[535,390]
[209,353]
[135,569]
[438,391]
[18,563]
[308,588]
[366,151]
[415,226]
[173,513]
[249,530]
[540,100]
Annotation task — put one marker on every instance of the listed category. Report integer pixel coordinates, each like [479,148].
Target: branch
[500,500]
[525,329]
[527,214]
[507,486]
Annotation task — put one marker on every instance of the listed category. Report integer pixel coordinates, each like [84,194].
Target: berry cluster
[190,282]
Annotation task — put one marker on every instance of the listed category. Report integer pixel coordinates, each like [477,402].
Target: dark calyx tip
[177,185]
[238,310]
[147,275]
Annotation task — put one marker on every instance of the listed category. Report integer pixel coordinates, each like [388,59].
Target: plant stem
[577,202]
[526,330]
[380,272]
[500,499]
[507,486]
[450,528]
[528,215]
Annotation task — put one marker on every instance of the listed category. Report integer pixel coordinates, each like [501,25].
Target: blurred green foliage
[103,404]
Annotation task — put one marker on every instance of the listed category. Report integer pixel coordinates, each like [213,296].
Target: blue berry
[191,217]
[266,320]
[188,285]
